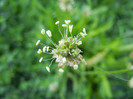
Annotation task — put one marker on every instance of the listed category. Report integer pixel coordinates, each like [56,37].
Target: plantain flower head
[67,51]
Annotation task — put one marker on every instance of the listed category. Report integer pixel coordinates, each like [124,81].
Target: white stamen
[75,67]
[67,21]
[43,31]
[84,30]
[47,68]
[83,34]
[64,25]
[39,51]
[57,22]
[61,70]
[49,33]
[47,48]
[44,49]
[41,59]
[37,42]
[70,28]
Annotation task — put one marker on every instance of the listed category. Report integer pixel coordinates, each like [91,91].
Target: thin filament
[67,31]
[51,41]
[47,45]
[47,59]
[60,31]
[111,74]
[51,63]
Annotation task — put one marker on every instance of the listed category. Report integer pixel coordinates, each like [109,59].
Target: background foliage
[108,50]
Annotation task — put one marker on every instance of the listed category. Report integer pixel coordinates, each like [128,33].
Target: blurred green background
[108,49]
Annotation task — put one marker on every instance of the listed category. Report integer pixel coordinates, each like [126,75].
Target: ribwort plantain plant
[66,52]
